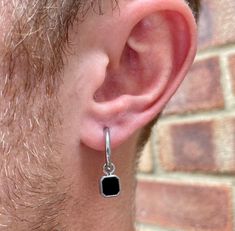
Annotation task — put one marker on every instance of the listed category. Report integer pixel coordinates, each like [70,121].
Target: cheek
[70,110]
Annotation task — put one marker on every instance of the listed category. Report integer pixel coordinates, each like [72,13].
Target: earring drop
[110,183]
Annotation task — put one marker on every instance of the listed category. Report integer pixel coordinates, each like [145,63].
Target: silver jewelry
[110,183]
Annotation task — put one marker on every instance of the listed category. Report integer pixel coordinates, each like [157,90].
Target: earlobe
[156,55]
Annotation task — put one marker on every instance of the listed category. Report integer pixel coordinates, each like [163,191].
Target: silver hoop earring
[110,183]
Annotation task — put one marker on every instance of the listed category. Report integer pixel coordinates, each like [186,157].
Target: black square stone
[110,186]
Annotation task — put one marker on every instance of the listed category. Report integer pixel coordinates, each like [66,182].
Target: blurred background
[186,179]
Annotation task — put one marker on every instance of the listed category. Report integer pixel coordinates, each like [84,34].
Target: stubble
[33,191]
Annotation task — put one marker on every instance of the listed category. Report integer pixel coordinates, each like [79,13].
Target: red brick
[233,136]
[216,24]
[225,131]
[198,146]
[201,90]
[185,206]
[190,146]
[232,71]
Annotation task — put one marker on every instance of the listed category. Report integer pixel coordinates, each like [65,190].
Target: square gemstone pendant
[110,186]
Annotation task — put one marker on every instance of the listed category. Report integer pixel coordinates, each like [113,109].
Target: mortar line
[194,178]
[226,83]
[148,227]
[215,51]
[155,149]
[198,116]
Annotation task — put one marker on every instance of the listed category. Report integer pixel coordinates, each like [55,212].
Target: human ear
[150,47]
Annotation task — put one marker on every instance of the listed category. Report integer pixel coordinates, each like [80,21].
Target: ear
[150,46]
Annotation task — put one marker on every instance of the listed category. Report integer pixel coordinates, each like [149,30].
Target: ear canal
[148,60]
[137,84]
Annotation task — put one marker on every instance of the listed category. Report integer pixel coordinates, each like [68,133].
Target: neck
[88,210]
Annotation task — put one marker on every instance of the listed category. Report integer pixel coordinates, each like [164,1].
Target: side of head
[67,70]
[140,64]
[142,50]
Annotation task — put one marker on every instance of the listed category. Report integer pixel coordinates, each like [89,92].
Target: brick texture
[198,146]
[232,71]
[190,146]
[225,142]
[185,206]
[216,25]
[201,90]
[192,185]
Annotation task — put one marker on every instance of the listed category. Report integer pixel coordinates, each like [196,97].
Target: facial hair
[33,191]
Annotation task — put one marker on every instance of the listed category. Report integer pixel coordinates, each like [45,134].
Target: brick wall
[187,172]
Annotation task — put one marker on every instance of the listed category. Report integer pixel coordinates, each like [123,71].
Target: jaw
[87,209]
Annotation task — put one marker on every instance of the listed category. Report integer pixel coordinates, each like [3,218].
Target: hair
[39,28]
[37,39]
[195,6]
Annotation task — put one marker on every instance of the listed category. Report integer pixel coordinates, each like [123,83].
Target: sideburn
[33,191]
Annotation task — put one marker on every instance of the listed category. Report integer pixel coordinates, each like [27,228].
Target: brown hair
[30,111]
[41,27]
[195,6]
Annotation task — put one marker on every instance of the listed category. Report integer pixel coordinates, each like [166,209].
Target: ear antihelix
[153,63]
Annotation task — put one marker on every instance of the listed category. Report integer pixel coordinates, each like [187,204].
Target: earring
[110,183]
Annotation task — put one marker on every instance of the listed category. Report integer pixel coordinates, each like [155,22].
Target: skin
[119,71]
